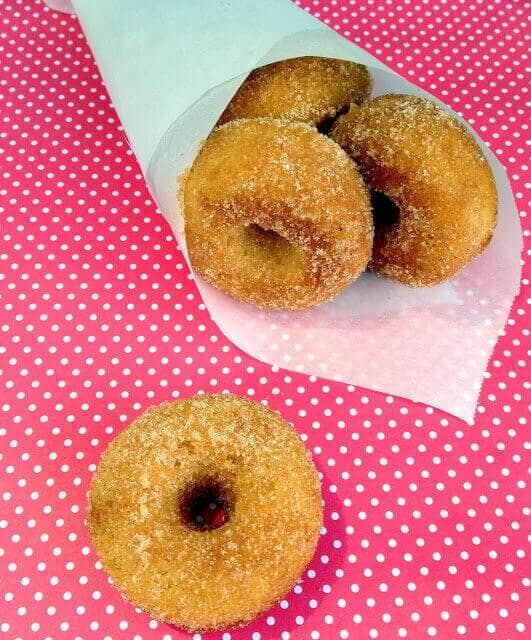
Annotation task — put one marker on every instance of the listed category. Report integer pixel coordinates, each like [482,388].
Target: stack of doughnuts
[306,181]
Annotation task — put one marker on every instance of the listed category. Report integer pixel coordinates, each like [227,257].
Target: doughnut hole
[325,126]
[206,504]
[269,250]
[385,212]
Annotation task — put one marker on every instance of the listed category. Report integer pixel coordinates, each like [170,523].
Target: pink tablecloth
[425,517]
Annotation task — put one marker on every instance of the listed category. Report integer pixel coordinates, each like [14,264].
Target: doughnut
[205,511]
[309,89]
[433,192]
[276,214]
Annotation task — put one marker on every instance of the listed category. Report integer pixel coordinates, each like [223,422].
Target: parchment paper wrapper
[171,66]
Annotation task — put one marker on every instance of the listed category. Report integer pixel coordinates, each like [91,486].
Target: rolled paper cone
[170,68]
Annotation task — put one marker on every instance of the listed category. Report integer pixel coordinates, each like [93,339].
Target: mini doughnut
[434,195]
[308,89]
[205,511]
[276,214]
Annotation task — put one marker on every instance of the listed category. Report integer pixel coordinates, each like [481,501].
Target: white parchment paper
[170,68]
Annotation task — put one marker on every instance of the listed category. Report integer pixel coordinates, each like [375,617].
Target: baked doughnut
[434,194]
[308,89]
[205,511]
[276,214]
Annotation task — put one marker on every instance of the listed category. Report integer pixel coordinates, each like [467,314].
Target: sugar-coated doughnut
[205,511]
[276,214]
[434,194]
[308,89]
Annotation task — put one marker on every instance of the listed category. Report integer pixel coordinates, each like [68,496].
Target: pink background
[425,516]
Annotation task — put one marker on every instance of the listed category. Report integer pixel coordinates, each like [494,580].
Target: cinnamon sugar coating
[308,89]
[205,579]
[430,167]
[276,214]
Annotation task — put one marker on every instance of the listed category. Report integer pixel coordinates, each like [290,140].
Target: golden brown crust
[224,577]
[429,165]
[308,89]
[276,214]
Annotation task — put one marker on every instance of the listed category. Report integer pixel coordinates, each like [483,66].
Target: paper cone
[170,68]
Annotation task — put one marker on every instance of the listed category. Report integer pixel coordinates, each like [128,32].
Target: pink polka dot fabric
[425,530]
